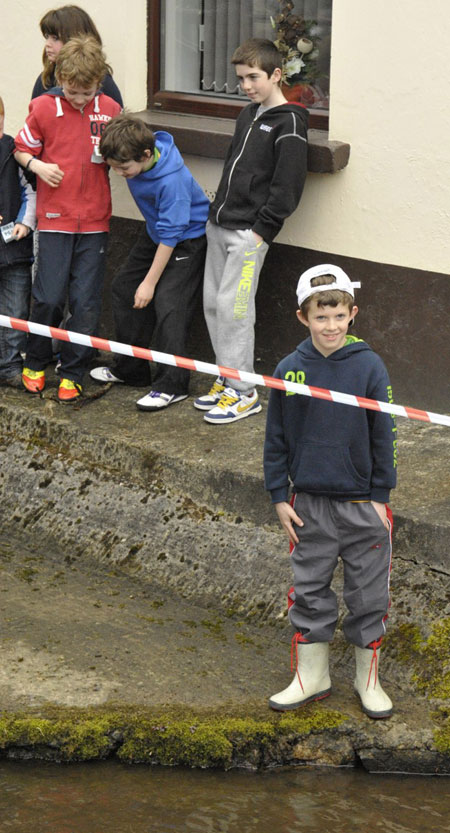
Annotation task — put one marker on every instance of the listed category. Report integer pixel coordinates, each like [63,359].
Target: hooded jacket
[172,203]
[17,205]
[325,448]
[264,171]
[56,132]
[108,87]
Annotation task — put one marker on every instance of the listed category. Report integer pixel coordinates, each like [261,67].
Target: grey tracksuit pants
[354,532]
[233,265]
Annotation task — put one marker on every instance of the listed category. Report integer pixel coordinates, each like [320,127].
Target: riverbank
[143,596]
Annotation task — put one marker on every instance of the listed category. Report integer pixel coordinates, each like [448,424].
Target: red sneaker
[33,380]
[69,391]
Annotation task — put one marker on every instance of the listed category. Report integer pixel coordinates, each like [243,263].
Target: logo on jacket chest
[98,123]
[297,376]
[265,127]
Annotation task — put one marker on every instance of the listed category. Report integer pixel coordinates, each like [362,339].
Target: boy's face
[328,325]
[257,85]
[133,167]
[78,96]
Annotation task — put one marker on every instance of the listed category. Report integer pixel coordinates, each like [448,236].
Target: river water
[110,798]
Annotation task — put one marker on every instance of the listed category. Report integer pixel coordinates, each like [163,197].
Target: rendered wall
[389,101]
[123,29]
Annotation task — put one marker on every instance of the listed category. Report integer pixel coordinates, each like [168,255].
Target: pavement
[141,562]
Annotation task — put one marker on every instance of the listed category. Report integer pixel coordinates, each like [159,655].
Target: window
[191,43]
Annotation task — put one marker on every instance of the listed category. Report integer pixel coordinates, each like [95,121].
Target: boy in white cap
[342,462]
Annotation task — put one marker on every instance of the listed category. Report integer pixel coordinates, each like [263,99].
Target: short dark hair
[126,138]
[258,52]
[328,297]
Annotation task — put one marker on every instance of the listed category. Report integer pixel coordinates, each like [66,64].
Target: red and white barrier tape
[219,370]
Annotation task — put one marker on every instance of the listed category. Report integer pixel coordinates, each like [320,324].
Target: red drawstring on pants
[374,662]
[298,637]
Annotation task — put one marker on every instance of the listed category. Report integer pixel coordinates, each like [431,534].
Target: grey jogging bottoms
[233,264]
[354,532]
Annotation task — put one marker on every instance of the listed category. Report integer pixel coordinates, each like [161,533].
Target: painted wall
[389,101]
[123,29]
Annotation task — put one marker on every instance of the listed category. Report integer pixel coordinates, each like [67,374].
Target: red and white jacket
[56,132]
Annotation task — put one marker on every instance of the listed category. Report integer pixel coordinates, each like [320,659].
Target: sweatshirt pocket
[327,468]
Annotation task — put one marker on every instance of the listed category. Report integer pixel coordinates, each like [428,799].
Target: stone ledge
[210,137]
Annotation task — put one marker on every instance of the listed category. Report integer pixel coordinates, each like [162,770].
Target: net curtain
[227,23]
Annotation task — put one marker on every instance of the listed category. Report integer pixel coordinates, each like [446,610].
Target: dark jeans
[70,267]
[163,324]
[15,288]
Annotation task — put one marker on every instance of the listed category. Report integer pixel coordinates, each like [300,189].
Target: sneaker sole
[201,407]
[161,407]
[225,420]
[286,707]
[32,390]
[106,381]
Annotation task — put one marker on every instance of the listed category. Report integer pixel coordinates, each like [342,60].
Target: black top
[17,251]
[264,170]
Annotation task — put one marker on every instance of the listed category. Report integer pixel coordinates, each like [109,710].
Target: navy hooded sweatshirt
[325,448]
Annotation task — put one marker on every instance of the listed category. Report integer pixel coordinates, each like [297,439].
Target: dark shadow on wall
[403,316]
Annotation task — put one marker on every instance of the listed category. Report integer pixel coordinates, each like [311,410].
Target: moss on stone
[175,736]
[74,740]
[430,664]
[433,676]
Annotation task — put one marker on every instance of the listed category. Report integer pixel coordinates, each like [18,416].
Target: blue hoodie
[325,448]
[172,203]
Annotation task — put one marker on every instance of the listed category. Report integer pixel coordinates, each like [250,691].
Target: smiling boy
[341,461]
[59,143]
[261,185]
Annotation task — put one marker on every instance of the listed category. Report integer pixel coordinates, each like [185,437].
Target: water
[111,798]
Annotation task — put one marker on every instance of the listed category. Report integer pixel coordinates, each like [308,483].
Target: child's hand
[380,509]
[49,172]
[143,295]
[20,230]
[287,517]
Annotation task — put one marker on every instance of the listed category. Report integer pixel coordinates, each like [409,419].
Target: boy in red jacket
[59,143]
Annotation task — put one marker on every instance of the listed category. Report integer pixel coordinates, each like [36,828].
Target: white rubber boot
[311,680]
[374,700]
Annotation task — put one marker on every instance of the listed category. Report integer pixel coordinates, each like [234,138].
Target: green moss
[430,664]
[73,740]
[175,736]
[406,641]
[433,676]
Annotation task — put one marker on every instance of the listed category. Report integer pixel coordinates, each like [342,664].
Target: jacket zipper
[233,167]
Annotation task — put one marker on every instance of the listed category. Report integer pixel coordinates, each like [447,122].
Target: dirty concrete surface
[141,562]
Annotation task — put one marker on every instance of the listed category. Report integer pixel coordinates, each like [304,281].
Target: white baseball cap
[341,281]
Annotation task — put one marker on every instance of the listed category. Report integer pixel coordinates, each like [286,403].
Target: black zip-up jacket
[325,448]
[264,171]
[17,251]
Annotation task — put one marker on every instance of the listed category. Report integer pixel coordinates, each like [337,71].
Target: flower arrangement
[298,44]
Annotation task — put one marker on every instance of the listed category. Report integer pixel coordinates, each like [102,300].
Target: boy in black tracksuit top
[341,460]
[17,221]
[261,185]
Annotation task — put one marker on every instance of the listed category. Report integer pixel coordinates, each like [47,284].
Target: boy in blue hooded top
[342,463]
[154,293]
